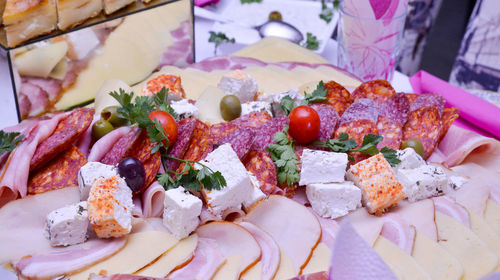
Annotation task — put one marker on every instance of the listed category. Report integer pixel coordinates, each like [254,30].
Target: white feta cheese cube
[409,159]
[239,187]
[184,109]
[182,211]
[239,84]
[423,182]
[256,195]
[333,200]
[256,106]
[322,167]
[91,172]
[67,225]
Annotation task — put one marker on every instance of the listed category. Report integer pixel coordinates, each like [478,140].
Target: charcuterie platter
[234,168]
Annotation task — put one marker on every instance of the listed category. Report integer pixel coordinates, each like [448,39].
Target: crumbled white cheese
[456,182]
[182,211]
[184,109]
[256,106]
[240,84]
[67,225]
[322,167]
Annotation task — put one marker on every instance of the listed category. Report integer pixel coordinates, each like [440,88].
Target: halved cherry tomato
[167,122]
[304,124]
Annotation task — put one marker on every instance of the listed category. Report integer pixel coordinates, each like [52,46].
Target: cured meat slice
[261,165]
[392,117]
[171,82]
[328,118]
[103,145]
[428,100]
[241,140]
[447,118]
[67,131]
[122,147]
[38,99]
[152,200]
[151,166]
[220,130]
[412,97]
[266,131]
[338,96]
[143,147]
[424,124]
[59,173]
[377,90]
[24,105]
[255,119]
[201,144]
[179,148]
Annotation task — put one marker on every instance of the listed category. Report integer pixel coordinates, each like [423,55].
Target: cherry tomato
[304,124]
[167,122]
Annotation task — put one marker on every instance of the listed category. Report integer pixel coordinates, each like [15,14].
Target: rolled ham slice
[329,229]
[152,200]
[396,230]
[207,259]
[419,214]
[85,140]
[207,216]
[270,250]
[447,206]
[103,145]
[67,261]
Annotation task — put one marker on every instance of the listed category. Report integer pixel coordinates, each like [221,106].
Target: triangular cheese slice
[492,215]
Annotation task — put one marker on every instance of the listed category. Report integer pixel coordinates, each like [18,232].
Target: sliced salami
[428,100]
[261,165]
[68,130]
[329,118]
[393,114]
[143,146]
[361,109]
[412,97]
[255,119]
[338,96]
[265,133]
[151,167]
[123,147]
[447,118]
[179,148]
[424,124]
[377,90]
[241,140]
[220,130]
[200,145]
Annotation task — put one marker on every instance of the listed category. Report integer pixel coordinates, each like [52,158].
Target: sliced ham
[398,231]
[488,161]
[180,52]
[38,98]
[270,250]
[152,200]
[207,259]
[50,86]
[67,261]
[447,206]
[233,239]
[419,214]
[85,140]
[232,214]
[329,229]
[103,145]
[495,195]
[459,143]
[366,225]
[24,105]
[300,196]
[207,216]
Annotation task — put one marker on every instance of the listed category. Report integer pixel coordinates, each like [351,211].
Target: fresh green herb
[287,104]
[318,95]
[336,4]
[311,42]
[369,147]
[219,38]
[284,157]
[9,141]
[250,1]
[326,13]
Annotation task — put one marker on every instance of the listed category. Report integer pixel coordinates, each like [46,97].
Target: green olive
[415,145]
[275,15]
[110,114]
[101,128]
[230,107]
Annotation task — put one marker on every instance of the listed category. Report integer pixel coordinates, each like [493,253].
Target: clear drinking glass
[368,47]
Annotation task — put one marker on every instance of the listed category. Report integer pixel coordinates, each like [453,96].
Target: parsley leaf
[219,38]
[326,13]
[284,157]
[369,145]
[287,104]
[9,141]
[340,145]
[318,95]
[391,156]
[311,42]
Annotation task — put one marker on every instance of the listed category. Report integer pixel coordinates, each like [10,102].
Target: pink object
[398,232]
[475,114]
[419,214]
[445,205]
[203,3]
[152,200]
[354,259]
[329,229]
[103,145]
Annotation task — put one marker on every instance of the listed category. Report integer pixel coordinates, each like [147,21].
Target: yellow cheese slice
[286,269]
[476,258]
[434,259]
[492,215]
[320,260]
[347,81]
[40,61]
[267,80]
[176,257]
[103,99]
[141,249]
[230,269]
[273,49]
[480,227]
[254,273]
[208,105]
[402,264]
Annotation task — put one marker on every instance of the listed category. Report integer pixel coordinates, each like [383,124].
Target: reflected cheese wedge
[477,259]
[286,269]
[172,259]
[492,215]
[434,259]
[231,268]
[141,249]
[40,61]
[320,260]
[402,264]
[103,99]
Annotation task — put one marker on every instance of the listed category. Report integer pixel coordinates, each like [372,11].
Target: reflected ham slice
[50,86]
[180,53]
[270,250]
[448,207]
[232,239]
[152,200]
[103,145]
[329,229]
[399,232]
[207,259]
[38,98]
[24,105]
[419,214]
[67,261]
[459,143]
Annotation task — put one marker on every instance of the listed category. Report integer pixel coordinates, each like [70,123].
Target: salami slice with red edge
[180,146]
[201,144]
[338,97]
[220,130]
[428,100]
[328,118]
[241,141]
[68,130]
[265,133]
[377,90]
[447,118]
[424,125]
[123,147]
[151,168]
[393,114]
[261,165]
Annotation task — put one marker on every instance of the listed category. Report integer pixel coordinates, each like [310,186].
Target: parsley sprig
[218,39]
[368,147]
[311,42]
[9,141]
[318,95]
[326,13]
[284,157]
